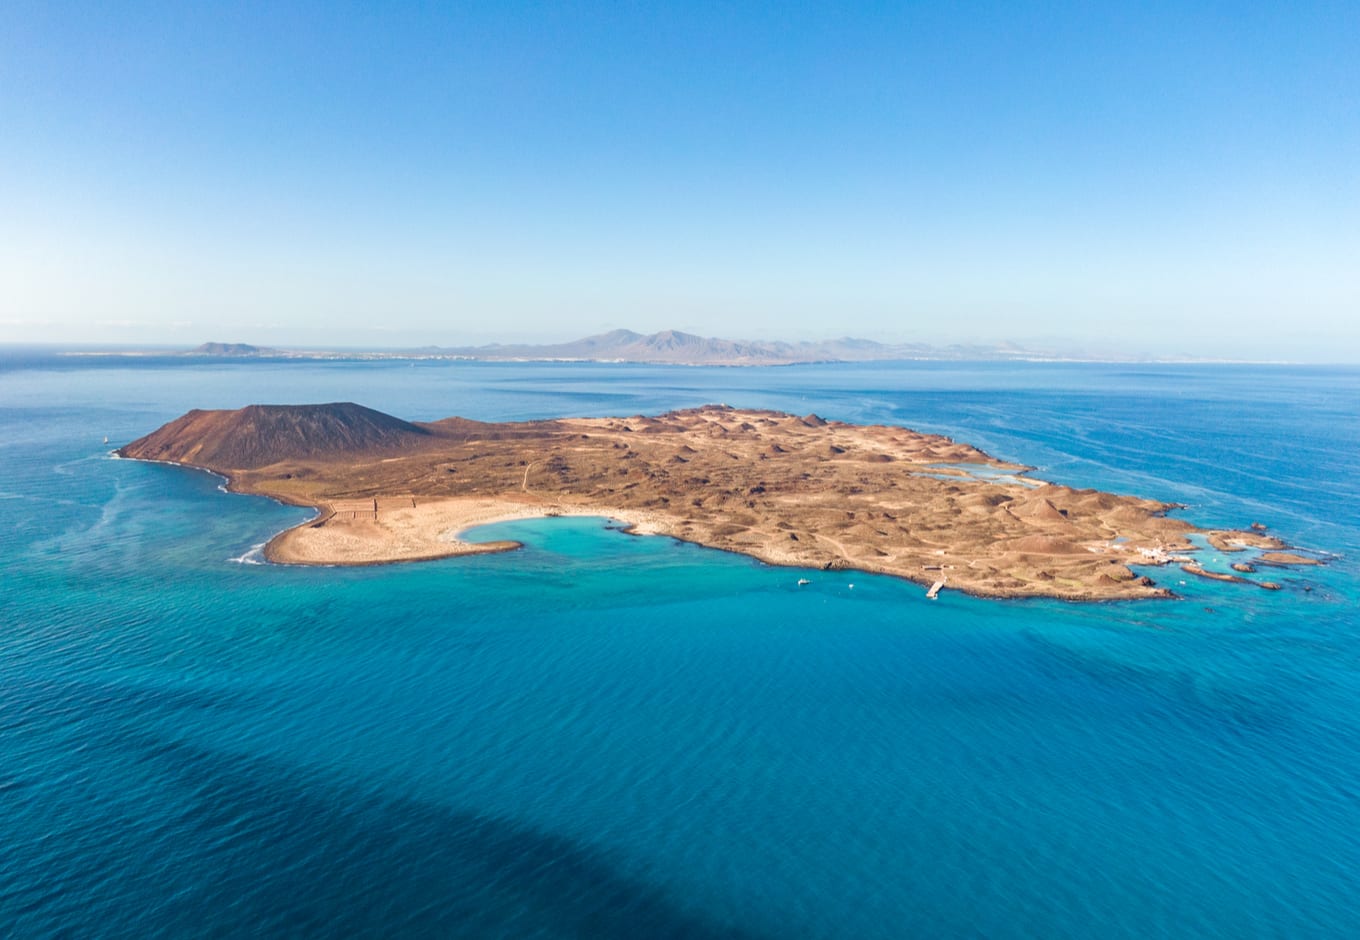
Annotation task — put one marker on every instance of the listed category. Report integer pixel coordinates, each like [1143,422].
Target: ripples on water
[604,735]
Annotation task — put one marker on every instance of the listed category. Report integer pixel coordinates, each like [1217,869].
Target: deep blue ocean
[603,735]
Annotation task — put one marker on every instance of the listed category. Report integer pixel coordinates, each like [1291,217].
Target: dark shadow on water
[271,851]
[1220,707]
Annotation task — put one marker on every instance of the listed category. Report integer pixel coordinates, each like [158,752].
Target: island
[788,490]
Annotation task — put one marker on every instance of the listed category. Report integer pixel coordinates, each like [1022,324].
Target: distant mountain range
[677,348]
[234,349]
[670,347]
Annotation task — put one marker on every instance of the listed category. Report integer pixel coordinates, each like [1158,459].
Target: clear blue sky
[1172,176]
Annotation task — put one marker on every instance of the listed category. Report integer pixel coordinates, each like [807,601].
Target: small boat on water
[802,581]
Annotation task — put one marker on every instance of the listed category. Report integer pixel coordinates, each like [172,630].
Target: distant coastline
[668,347]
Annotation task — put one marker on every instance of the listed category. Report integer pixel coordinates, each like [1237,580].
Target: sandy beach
[392,529]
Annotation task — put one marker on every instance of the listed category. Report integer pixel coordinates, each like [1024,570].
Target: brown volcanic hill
[260,435]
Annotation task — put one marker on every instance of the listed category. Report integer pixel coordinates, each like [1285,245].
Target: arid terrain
[784,489]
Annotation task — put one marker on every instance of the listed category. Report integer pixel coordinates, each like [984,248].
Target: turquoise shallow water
[606,735]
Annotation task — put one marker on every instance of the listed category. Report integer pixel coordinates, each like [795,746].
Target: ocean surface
[603,735]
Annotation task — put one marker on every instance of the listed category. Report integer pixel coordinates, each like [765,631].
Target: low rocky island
[784,489]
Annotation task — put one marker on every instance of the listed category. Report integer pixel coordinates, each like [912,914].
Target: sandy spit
[354,532]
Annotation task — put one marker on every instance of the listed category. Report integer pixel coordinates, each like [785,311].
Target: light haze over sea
[612,736]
